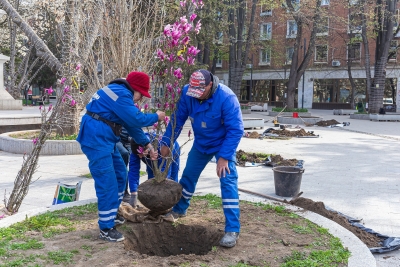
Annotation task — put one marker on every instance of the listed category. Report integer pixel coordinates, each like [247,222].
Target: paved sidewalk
[354,173]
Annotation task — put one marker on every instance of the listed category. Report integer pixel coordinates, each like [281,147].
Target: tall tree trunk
[296,71]
[13,53]
[385,13]
[237,56]
[366,50]
[69,122]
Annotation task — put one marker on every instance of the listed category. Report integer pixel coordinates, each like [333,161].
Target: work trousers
[195,164]
[109,173]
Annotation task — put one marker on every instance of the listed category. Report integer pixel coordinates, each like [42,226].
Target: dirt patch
[292,133]
[275,160]
[319,207]
[327,123]
[267,238]
[254,135]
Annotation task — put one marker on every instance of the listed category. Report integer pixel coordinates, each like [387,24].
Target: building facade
[325,84]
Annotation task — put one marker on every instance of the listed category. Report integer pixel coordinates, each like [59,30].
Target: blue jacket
[217,122]
[114,102]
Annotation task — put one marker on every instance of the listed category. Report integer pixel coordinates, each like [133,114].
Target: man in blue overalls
[214,112]
[109,109]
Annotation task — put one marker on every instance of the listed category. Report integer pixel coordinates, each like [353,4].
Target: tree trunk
[366,51]
[385,13]
[296,71]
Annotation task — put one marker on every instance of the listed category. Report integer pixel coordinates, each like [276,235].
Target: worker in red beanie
[109,109]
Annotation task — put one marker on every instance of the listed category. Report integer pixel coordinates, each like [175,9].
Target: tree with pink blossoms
[176,57]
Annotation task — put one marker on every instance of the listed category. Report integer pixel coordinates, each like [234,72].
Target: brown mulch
[319,207]
[327,123]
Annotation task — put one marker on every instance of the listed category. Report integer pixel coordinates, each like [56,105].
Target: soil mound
[319,207]
[327,123]
[254,135]
[289,133]
[276,160]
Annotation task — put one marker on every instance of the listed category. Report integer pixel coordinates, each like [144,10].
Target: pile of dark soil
[319,207]
[327,123]
[289,133]
[254,135]
[276,160]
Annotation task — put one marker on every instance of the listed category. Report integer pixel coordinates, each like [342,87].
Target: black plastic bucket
[287,180]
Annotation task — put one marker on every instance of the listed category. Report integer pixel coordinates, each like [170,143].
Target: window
[265,11]
[355,23]
[354,2]
[295,4]
[266,31]
[396,29]
[219,63]
[291,29]
[265,56]
[321,53]
[289,55]
[325,2]
[323,27]
[219,37]
[354,52]
[393,51]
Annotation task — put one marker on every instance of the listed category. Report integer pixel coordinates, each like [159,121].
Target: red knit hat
[140,82]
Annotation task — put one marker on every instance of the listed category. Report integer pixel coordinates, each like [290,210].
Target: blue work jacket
[217,122]
[114,102]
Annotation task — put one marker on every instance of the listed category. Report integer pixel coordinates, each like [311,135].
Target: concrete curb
[360,254]
[51,147]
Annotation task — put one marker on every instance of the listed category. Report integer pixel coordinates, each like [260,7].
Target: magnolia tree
[50,117]
[176,56]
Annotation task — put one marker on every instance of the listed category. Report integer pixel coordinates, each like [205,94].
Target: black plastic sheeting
[388,244]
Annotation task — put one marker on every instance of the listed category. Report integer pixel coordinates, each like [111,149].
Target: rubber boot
[229,239]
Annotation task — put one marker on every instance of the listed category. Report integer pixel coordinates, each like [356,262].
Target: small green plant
[60,256]
[243,157]
[290,109]
[142,173]
[30,244]
[88,175]
[86,247]
[214,249]
[300,229]
[214,201]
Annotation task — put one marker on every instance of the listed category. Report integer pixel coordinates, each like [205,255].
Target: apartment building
[325,84]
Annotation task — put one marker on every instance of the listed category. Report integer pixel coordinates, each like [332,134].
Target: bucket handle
[302,171]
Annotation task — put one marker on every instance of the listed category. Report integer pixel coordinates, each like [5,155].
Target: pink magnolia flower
[40,108]
[193,51]
[158,105]
[140,150]
[73,102]
[184,20]
[193,17]
[173,96]
[167,30]
[198,27]
[201,3]
[166,105]
[179,90]
[181,58]
[171,58]
[172,105]
[146,106]
[189,133]
[190,60]
[78,66]
[49,90]
[182,3]
[155,125]
[178,73]
[63,79]
[66,89]
[176,34]
[169,87]
[185,40]
[35,140]
[50,107]
[160,54]
[166,120]
[186,28]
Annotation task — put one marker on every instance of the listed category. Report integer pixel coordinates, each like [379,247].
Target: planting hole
[166,239]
